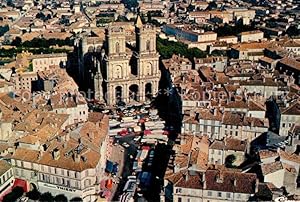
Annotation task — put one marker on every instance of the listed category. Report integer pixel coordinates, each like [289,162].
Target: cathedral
[116,70]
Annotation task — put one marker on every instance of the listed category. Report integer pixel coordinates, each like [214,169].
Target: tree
[41,16]
[9,3]
[46,197]
[212,5]
[229,160]
[293,31]
[34,195]
[167,48]
[219,53]
[16,193]
[16,42]
[60,198]
[3,29]
[76,199]
[228,30]
[130,3]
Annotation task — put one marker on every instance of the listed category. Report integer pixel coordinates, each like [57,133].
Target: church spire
[138,22]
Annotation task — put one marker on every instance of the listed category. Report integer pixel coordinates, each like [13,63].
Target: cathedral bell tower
[147,59]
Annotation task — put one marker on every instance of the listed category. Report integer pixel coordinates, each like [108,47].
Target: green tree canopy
[3,30]
[33,194]
[293,31]
[16,193]
[76,199]
[228,30]
[229,160]
[46,197]
[167,48]
[60,198]
[130,3]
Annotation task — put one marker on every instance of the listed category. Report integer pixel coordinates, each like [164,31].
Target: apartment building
[23,81]
[6,178]
[289,116]
[205,121]
[214,185]
[71,163]
[184,33]
[249,51]
[46,61]
[251,36]
[219,150]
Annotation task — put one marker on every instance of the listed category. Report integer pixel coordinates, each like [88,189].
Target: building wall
[286,122]
[295,50]
[210,127]
[77,114]
[5,130]
[266,91]
[232,40]
[56,180]
[207,36]
[202,195]
[256,114]
[42,64]
[276,178]
[184,34]
[251,37]
[268,160]
[6,181]
[6,89]
[23,81]
[216,156]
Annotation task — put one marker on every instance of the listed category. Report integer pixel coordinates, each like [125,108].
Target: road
[127,167]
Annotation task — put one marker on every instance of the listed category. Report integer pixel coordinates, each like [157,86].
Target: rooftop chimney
[234,182]
[76,157]
[67,136]
[91,135]
[219,178]
[203,180]
[215,112]
[186,177]
[256,185]
[56,154]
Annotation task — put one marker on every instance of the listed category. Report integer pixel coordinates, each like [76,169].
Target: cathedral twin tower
[124,72]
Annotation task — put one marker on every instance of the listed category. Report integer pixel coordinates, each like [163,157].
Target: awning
[109,166]
[123,132]
[147,132]
[21,183]
[115,168]
[146,147]
[109,184]
[166,132]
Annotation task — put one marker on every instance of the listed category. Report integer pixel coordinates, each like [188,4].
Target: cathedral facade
[117,71]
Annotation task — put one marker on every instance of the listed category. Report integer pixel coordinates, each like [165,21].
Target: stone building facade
[119,71]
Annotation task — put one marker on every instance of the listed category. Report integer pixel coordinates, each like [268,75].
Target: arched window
[148,45]
[117,47]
